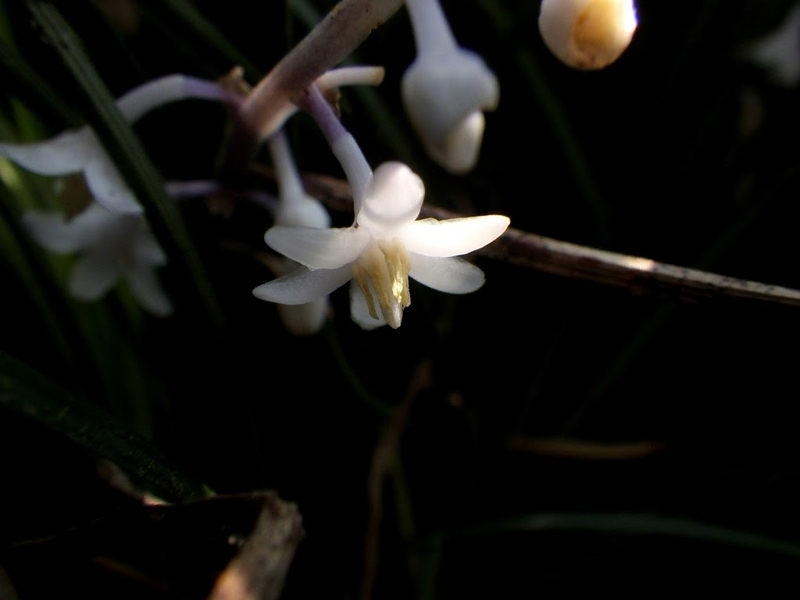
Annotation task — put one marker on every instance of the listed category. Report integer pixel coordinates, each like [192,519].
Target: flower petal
[458,149]
[66,153]
[451,275]
[392,199]
[92,276]
[148,250]
[147,290]
[359,311]
[304,319]
[96,226]
[318,248]
[51,231]
[107,186]
[303,285]
[453,237]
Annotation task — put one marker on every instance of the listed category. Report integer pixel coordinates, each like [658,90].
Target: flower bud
[445,97]
[587,34]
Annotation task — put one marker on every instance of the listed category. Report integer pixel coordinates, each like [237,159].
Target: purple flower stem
[342,143]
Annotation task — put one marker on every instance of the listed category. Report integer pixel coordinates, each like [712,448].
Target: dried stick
[637,274]
[259,570]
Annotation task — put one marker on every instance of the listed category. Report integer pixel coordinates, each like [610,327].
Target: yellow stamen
[381,273]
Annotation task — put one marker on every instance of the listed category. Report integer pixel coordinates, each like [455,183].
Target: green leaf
[196,21]
[36,88]
[636,524]
[30,394]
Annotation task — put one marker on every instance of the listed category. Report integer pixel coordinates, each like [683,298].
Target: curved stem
[289,182]
[171,88]
[431,29]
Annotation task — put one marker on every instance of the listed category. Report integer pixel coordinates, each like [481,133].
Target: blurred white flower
[81,151]
[111,245]
[73,152]
[445,90]
[587,34]
[779,52]
[384,247]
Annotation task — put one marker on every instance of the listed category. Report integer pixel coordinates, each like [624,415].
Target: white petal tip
[393,197]
[304,320]
[457,152]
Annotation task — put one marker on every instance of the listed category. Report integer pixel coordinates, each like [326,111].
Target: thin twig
[383,461]
[637,274]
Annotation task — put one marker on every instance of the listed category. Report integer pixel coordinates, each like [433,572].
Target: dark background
[687,154]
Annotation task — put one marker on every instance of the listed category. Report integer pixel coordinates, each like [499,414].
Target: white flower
[587,34]
[73,152]
[112,245]
[384,247]
[296,209]
[445,91]
[81,151]
[780,50]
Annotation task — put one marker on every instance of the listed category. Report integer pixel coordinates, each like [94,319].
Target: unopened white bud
[587,34]
[445,97]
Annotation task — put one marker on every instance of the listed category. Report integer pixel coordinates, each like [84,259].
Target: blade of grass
[50,300]
[30,394]
[635,524]
[205,29]
[122,143]
[37,91]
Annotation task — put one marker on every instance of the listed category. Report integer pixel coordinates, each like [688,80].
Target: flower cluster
[445,91]
[111,233]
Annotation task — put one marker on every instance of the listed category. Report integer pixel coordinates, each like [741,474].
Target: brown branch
[637,274]
[342,30]
[259,570]
[159,548]
[584,449]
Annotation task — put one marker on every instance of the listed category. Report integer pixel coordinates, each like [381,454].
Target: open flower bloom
[112,245]
[446,90]
[81,151]
[378,254]
[587,34]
